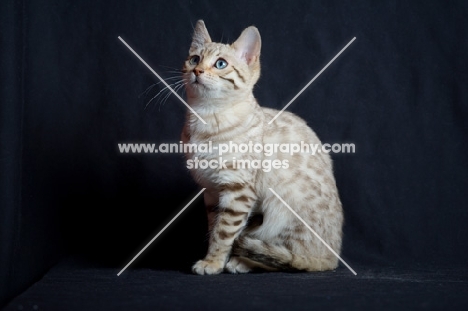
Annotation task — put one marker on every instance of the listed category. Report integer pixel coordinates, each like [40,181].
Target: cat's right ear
[200,36]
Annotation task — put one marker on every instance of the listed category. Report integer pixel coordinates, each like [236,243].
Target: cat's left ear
[248,45]
[200,36]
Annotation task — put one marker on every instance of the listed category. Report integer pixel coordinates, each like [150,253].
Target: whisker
[172,78]
[161,92]
[169,67]
[175,70]
[147,90]
[176,89]
[164,99]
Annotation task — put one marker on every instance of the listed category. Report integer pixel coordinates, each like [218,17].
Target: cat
[249,227]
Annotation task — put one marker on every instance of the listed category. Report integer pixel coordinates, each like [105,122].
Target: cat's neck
[207,105]
[220,114]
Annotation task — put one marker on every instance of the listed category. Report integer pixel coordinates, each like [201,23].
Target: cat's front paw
[202,267]
[238,265]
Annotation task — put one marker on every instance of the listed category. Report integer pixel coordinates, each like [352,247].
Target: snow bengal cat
[249,227]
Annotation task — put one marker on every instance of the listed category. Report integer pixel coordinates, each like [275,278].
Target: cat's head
[221,71]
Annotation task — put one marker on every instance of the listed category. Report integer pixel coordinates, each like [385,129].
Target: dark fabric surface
[78,286]
[70,92]
[29,219]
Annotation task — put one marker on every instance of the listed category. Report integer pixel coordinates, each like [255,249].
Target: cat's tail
[280,257]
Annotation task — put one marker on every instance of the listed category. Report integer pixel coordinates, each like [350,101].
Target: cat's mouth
[197,80]
[199,84]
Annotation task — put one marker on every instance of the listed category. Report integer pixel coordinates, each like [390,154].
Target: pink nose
[197,71]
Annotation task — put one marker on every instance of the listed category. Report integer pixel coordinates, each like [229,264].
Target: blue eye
[221,63]
[194,60]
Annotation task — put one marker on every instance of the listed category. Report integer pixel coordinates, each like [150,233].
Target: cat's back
[307,163]
[287,128]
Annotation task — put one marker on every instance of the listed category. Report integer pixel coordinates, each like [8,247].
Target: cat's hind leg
[281,256]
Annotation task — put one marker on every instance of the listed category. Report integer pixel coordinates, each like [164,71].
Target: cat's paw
[202,267]
[238,265]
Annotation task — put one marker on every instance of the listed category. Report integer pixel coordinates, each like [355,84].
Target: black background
[71,91]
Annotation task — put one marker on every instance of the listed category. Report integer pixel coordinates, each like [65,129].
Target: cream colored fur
[224,99]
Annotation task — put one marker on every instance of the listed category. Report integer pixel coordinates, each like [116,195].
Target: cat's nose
[198,71]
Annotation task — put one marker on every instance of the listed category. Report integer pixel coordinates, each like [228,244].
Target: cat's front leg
[235,204]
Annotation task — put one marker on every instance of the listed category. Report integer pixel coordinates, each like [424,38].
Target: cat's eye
[221,63]
[194,60]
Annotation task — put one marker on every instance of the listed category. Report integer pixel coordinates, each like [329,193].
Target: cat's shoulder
[286,118]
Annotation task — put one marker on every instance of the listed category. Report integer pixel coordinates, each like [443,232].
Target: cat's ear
[248,45]
[200,36]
